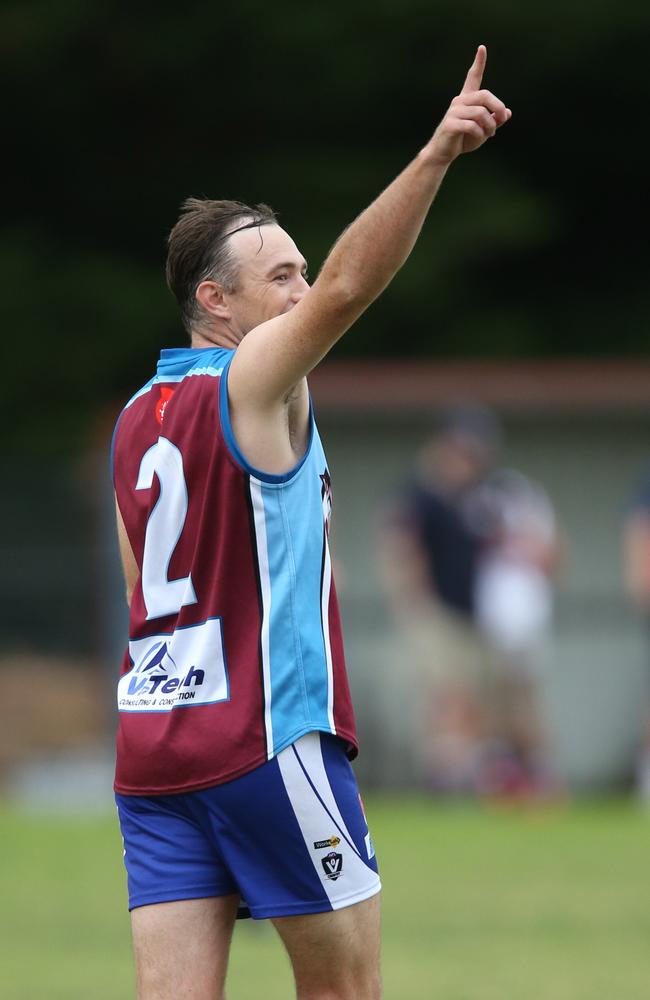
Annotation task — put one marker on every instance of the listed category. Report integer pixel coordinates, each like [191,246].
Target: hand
[473,116]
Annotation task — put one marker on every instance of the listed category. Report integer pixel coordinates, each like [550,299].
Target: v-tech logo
[185,668]
[167,678]
[158,655]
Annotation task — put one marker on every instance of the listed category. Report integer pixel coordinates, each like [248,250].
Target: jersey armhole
[233,447]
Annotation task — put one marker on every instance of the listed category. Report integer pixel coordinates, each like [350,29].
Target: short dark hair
[198,249]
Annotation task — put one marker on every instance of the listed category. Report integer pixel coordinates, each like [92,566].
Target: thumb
[474,76]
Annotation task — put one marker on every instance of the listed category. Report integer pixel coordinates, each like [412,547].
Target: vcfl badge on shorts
[333,865]
[184,668]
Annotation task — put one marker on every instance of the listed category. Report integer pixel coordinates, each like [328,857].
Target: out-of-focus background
[520,323]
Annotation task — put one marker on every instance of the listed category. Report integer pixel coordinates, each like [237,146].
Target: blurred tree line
[115,111]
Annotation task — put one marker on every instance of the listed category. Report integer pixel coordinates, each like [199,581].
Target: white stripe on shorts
[357,881]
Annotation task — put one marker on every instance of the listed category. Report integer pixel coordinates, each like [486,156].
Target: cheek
[279,295]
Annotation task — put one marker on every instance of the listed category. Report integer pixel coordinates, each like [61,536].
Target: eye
[281,277]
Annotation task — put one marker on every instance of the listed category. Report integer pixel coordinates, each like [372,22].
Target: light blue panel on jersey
[288,693]
[300,681]
[289,516]
[307,511]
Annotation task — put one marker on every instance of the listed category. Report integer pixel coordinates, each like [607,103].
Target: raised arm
[273,357]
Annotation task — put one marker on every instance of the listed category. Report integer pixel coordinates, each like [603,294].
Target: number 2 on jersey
[163,596]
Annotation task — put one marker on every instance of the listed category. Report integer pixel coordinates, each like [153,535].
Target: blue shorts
[290,837]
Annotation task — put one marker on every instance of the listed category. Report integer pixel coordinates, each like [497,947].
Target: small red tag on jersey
[165,395]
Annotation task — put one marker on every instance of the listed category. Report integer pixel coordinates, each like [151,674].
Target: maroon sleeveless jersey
[235,646]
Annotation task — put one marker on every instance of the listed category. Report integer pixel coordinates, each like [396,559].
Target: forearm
[375,246]
[277,354]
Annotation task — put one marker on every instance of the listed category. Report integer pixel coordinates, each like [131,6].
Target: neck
[208,337]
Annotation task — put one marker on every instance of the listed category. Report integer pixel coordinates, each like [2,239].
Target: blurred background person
[429,557]
[513,601]
[636,575]
[467,553]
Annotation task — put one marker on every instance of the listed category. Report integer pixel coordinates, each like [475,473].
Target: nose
[301,289]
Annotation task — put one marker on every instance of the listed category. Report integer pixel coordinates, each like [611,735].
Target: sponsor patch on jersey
[330,842]
[370,847]
[182,669]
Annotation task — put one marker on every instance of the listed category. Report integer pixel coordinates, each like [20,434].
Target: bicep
[273,358]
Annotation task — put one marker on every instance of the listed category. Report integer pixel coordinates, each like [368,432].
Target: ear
[210,297]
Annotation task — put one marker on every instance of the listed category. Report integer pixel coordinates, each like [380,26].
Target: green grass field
[478,903]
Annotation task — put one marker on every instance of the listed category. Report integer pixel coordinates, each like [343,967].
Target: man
[468,550]
[431,539]
[233,783]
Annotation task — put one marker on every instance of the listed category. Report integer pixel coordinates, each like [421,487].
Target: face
[272,277]
[455,461]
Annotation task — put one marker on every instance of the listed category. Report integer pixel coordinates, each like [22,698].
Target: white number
[163,596]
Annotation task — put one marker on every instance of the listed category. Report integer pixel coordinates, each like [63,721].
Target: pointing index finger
[474,76]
